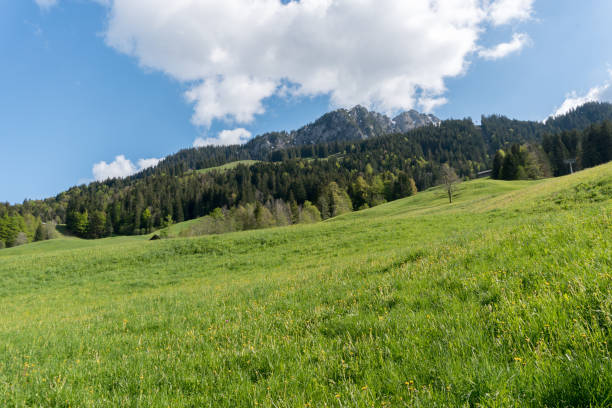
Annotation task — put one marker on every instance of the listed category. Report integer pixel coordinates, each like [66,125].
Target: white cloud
[226,137]
[233,54]
[146,163]
[46,4]
[596,94]
[427,105]
[238,97]
[120,167]
[519,41]
[505,11]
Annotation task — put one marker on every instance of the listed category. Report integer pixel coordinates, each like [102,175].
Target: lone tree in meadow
[450,179]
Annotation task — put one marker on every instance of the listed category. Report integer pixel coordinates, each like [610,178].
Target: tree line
[332,177]
[351,176]
[558,155]
[17,229]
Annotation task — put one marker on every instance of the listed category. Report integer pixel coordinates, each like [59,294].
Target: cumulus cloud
[505,11]
[427,104]
[601,93]
[388,55]
[120,167]
[519,41]
[226,137]
[146,163]
[46,4]
[237,97]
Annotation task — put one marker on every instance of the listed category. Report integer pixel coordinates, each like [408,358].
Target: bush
[21,239]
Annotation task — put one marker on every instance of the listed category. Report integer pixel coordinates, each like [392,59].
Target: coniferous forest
[318,181]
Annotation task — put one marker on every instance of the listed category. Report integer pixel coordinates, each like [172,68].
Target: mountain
[365,161]
[342,125]
[359,124]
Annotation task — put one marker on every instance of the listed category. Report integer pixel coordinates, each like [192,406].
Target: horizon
[90,88]
[121,158]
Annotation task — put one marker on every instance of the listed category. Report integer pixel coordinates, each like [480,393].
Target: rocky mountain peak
[412,119]
[357,123]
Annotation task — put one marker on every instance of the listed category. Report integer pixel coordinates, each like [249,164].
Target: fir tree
[40,234]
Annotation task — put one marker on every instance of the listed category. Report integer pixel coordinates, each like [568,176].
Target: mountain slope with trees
[364,172]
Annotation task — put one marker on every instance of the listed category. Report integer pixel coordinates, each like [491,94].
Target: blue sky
[82,82]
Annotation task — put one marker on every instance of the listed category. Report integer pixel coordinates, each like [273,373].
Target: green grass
[176,229]
[501,299]
[227,166]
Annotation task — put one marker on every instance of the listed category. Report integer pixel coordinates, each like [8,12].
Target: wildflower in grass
[365,387]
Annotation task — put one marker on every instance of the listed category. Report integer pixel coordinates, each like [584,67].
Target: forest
[311,182]
[558,154]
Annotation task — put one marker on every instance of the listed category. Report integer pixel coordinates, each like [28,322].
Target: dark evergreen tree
[40,234]
[498,164]
[97,225]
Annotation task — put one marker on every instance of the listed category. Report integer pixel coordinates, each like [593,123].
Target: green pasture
[501,299]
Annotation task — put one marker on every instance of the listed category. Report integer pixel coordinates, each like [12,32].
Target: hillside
[500,299]
[359,124]
[338,176]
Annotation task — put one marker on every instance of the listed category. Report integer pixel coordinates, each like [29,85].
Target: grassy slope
[228,166]
[501,299]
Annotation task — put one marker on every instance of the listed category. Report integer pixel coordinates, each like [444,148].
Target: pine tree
[97,225]
[295,212]
[40,233]
[591,153]
[557,153]
[597,145]
[606,141]
[510,167]
[323,203]
[108,227]
[498,162]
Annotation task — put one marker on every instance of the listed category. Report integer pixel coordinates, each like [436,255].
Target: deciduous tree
[450,179]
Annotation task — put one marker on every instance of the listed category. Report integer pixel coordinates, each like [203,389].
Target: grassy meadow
[501,299]
[227,166]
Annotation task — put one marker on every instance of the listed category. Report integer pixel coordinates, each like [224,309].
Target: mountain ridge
[358,123]
[334,177]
